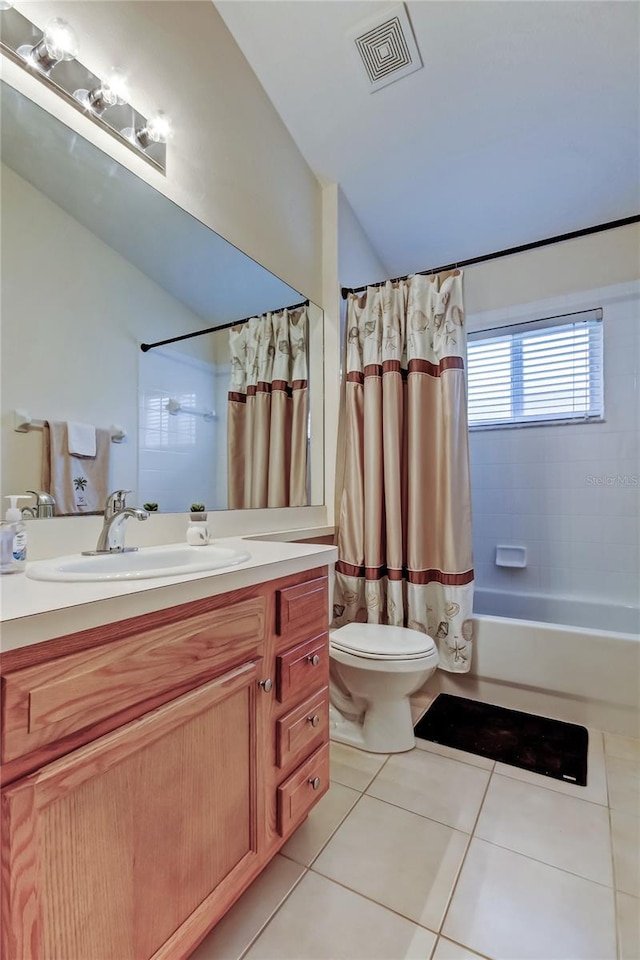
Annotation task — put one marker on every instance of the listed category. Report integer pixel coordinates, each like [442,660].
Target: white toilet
[374,670]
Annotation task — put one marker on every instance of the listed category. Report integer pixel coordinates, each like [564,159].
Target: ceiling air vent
[387,47]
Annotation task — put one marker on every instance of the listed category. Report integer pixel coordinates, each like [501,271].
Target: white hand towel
[81,439]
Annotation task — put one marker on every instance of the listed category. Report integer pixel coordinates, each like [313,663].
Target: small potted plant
[198,511]
[150,507]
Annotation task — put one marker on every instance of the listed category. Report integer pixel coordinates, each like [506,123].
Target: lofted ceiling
[522,124]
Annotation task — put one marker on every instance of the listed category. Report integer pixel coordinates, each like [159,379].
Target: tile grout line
[382,906]
[464,859]
[614,874]
[264,926]
[441,936]
[329,838]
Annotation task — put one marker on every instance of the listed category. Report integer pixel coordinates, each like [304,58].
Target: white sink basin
[169,561]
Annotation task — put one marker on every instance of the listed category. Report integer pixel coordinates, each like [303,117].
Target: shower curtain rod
[598,228]
[225,326]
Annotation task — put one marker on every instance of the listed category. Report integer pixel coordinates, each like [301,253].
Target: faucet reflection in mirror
[51,55]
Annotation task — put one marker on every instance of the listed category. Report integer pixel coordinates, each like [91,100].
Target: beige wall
[232,163]
[599,260]
[358,263]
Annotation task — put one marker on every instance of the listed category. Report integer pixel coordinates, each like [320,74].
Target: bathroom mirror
[96,262]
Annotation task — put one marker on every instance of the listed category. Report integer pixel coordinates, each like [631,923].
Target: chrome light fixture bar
[51,55]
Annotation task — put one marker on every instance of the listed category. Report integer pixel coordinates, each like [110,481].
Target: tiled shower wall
[569,493]
[178,455]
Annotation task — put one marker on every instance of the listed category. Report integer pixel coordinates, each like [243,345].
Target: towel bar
[23,422]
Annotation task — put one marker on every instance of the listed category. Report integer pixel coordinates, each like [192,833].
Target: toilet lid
[382,642]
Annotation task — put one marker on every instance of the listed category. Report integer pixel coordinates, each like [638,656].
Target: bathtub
[572,660]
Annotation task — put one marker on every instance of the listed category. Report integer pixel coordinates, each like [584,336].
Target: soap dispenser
[13,538]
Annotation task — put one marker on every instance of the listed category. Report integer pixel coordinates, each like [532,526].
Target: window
[544,371]
[159,429]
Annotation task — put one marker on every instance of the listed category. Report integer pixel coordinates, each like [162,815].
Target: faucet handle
[115,502]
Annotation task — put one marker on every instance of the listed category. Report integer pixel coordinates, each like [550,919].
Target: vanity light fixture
[59,42]
[51,56]
[110,92]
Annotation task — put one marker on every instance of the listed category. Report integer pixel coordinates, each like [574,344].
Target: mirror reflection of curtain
[403,503]
[267,411]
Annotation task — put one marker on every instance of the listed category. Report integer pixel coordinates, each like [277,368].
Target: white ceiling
[523,123]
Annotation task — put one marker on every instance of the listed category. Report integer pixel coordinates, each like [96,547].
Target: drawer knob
[314,660]
[314,721]
[267,685]
[315,782]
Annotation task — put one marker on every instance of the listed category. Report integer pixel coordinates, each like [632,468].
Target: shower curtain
[403,503]
[267,411]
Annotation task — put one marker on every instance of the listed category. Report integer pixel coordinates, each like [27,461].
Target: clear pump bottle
[13,538]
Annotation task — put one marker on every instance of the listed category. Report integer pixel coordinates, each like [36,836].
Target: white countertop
[35,610]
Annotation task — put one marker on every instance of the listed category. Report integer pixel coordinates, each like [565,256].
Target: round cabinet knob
[314,660]
[315,782]
[314,721]
[267,685]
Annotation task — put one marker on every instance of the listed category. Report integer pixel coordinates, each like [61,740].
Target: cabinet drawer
[302,668]
[49,701]
[303,610]
[302,729]
[302,789]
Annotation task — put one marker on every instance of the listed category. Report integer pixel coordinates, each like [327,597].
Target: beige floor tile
[231,937]
[596,789]
[397,858]
[562,831]
[623,778]
[433,786]
[354,768]
[447,950]
[323,921]
[483,762]
[628,914]
[626,748]
[311,836]
[509,907]
[625,836]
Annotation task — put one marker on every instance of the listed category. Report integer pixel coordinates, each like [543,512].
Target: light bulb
[59,42]
[115,89]
[108,93]
[157,129]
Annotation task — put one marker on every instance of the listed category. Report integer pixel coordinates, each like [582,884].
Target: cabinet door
[107,851]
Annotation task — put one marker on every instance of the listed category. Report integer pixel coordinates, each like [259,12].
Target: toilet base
[387,727]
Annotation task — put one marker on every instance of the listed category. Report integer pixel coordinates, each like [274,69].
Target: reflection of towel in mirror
[81,439]
[78,484]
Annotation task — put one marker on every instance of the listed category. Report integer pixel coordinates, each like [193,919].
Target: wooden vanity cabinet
[144,829]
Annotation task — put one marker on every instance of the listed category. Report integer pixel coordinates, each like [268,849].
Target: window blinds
[542,371]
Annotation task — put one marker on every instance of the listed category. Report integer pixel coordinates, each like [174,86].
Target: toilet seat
[373,641]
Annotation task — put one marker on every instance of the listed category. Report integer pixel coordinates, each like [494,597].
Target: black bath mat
[550,747]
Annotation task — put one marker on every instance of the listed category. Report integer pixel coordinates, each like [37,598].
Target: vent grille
[383,50]
[387,47]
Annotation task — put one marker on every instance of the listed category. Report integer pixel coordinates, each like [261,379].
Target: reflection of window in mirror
[159,429]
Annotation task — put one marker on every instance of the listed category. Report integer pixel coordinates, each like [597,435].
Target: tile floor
[440,855]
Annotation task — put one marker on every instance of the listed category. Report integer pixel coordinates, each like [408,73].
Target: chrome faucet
[111,539]
[45,506]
